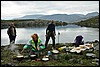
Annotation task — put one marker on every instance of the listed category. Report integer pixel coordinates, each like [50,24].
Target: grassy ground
[65,58]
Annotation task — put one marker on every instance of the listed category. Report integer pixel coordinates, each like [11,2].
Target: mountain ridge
[70,18]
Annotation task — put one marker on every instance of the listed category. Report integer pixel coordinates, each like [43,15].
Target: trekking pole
[58,37]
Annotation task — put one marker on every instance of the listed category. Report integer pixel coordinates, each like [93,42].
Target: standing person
[78,40]
[12,33]
[35,44]
[50,32]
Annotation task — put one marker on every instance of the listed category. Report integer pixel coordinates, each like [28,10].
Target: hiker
[78,40]
[50,32]
[35,44]
[11,33]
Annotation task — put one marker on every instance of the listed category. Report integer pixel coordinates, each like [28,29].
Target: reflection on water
[67,34]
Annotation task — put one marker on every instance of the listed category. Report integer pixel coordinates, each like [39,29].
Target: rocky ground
[65,59]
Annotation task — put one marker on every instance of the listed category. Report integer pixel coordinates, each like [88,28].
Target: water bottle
[49,53]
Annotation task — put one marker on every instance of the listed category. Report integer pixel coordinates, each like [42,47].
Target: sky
[16,9]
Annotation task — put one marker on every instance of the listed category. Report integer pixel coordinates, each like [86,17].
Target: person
[35,44]
[50,32]
[12,33]
[78,40]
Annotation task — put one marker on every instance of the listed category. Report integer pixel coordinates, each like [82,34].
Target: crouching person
[35,44]
[79,40]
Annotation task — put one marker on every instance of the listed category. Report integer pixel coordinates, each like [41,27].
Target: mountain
[63,17]
[31,16]
[92,14]
[69,18]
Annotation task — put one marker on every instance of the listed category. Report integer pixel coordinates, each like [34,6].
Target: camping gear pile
[54,54]
[81,48]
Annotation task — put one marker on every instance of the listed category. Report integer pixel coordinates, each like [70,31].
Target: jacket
[32,45]
[50,28]
[10,32]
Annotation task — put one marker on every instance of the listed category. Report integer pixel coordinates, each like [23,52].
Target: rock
[96,47]
[71,59]
[96,41]
[2,60]
[97,60]
[8,64]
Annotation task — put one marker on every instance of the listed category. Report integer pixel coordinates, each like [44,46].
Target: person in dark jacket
[12,33]
[50,32]
[78,40]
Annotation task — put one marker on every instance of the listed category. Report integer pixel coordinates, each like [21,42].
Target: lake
[67,34]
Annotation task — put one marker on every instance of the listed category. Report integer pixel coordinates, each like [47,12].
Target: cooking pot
[55,51]
[55,54]
[20,57]
[33,57]
[45,59]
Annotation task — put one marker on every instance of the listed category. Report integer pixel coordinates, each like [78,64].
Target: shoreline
[95,43]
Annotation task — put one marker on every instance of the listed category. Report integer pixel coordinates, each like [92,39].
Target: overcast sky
[15,9]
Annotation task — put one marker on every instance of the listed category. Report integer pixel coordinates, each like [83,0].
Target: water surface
[67,34]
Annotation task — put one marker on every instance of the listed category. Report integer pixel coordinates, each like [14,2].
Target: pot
[55,51]
[20,57]
[45,59]
[33,57]
[55,54]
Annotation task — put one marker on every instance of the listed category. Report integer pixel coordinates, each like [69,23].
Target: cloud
[12,9]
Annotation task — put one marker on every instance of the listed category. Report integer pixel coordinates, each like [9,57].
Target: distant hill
[31,16]
[62,17]
[92,14]
[92,22]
